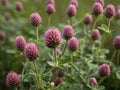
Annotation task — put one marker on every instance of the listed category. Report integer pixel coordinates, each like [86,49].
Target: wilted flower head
[4,2]
[2,35]
[58,52]
[12,80]
[73,44]
[101,2]
[20,43]
[68,32]
[52,37]
[93,81]
[50,2]
[74,2]
[109,11]
[97,9]
[50,9]
[116,42]
[88,19]
[71,10]
[7,16]
[19,6]
[35,19]
[104,70]
[60,73]
[117,14]
[58,81]
[31,51]
[95,34]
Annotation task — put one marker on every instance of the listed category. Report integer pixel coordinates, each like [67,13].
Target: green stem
[72,57]
[16,89]
[56,62]
[113,55]
[71,21]
[109,20]
[95,22]
[64,48]
[37,34]
[37,75]
[101,80]
[49,20]
[117,64]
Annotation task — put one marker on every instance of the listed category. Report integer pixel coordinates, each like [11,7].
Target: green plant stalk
[72,57]
[49,20]
[113,55]
[37,75]
[95,22]
[16,88]
[71,23]
[117,64]
[101,80]
[37,34]
[55,55]
[64,48]
[78,72]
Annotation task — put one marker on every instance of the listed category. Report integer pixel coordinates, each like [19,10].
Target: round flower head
[117,14]
[68,32]
[58,81]
[58,52]
[35,19]
[93,81]
[31,51]
[74,2]
[50,2]
[71,10]
[95,34]
[60,73]
[73,44]
[116,42]
[50,9]
[20,43]
[7,16]
[97,9]
[88,19]
[2,35]
[104,70]
[52,37]
[19,6]
[4,2]
[101,2]
[109,11]
[12,80]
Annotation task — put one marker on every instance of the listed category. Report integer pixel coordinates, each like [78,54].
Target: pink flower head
[104,70]
[95,34]
[31,51]
[93,81]
[88,19]
[20,43]
[2,35]
[12,80]
[58,52]
[74,2]
[101,2]
[109,11]
[73,44]
[71,10]
[19,6]
[58,81]
[52,37]
[7,16]
[4,2]
[97,9]
[68,32]
[50,9]
[117,14]
[35,19]
[116,42]
[50,2]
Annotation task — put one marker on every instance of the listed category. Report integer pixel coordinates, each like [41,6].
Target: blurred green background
[19,25]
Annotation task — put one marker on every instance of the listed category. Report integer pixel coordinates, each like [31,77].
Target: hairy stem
[37,34]
[55,55]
